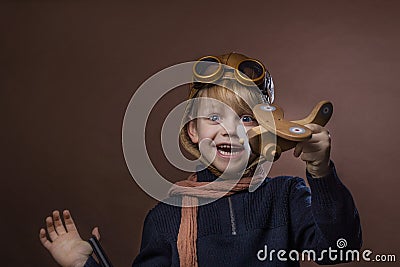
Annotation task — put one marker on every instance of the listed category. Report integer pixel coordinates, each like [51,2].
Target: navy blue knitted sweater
[249,229]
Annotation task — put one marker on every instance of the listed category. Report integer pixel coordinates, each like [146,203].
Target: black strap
[98,250]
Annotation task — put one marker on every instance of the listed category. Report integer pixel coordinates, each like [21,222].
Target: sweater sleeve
[324,216]
[155,250]
[91,263]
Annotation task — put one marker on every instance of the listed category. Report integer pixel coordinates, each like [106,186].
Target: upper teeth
[225,146]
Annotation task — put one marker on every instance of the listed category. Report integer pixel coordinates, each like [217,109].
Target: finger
[43,239]
[323,145]
[310,157]
[58,223]
[50,229]
[69,222]
[315,128]
[312,148]
[319,137]
[298,149]
[323,133]
[96,232]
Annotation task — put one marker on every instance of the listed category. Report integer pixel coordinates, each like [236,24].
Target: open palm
[64,243]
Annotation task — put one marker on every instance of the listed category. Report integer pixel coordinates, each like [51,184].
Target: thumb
[298,149]
[96,232]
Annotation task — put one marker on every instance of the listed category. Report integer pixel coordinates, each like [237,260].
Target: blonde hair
[234,97]
[240,98]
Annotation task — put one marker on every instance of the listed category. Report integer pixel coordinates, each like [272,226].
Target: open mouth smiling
[227,150]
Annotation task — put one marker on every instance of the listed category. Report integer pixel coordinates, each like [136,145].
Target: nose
[229,128]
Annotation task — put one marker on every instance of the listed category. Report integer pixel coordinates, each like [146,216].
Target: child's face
[216,131]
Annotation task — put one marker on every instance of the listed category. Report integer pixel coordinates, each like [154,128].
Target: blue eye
[247,118]
[214,117]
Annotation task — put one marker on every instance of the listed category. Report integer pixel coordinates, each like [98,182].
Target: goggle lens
[207,67]
[252,69]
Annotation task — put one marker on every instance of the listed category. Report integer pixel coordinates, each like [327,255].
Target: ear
[192,131]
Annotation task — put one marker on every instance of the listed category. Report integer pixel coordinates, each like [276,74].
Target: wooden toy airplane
[272,126]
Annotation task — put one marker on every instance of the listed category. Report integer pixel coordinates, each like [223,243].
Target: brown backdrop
[68,70]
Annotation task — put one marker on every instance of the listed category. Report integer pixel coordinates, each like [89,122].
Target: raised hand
[315,151]
[65,244]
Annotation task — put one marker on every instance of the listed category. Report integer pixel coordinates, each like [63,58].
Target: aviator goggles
[247,71]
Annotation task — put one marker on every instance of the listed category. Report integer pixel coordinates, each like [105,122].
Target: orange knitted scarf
[187,234]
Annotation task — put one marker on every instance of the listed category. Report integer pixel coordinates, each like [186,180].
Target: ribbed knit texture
[191,190]
[280,214]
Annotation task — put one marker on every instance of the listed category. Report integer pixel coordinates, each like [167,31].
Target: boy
[239,228]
